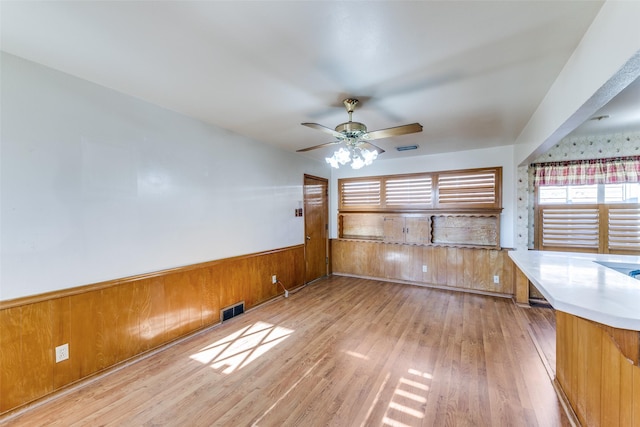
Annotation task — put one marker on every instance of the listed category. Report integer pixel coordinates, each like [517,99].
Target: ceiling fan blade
[395,131]
[323,129]
[372,147]
[318,146]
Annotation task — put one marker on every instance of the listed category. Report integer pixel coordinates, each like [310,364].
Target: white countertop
[576,284]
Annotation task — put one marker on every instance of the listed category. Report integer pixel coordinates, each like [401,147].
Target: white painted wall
[490,157]
[97,185]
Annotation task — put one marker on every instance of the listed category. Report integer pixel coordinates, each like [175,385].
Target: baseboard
[429,285]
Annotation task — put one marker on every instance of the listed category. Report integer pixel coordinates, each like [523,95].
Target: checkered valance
[585,172]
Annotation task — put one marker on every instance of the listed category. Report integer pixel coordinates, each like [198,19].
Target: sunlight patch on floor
[358,355]
[409,398]
[242,347]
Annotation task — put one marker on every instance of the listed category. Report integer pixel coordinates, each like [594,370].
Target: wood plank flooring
[540,320]
[340,352]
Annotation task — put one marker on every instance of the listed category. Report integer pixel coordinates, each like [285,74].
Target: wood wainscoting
[110,322]
[472,269]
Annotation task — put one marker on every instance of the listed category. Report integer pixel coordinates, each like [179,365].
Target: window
[622,193]
[596,193]
[464,188]
[583,206]
[410,191]
[452,208]
[569,228]
[568,194]
[473,188]
[358,193]
[623,224]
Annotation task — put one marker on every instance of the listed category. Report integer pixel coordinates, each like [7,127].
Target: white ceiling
[471,72]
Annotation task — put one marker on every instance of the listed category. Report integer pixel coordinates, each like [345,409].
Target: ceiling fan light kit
[358,157]
[359,151]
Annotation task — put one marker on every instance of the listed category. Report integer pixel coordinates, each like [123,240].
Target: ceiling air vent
[407,148]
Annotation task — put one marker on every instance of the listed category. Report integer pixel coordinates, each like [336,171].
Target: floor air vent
[232,311]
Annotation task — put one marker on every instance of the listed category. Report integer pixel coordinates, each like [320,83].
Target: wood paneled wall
[598,371]
[466,268]
[110,322]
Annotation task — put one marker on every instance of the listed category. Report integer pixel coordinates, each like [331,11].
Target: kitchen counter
[578,284]
[597,308]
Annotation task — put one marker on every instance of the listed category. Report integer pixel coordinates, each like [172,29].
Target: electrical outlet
[62,353]
[274,279]
[496,279]
[424,268]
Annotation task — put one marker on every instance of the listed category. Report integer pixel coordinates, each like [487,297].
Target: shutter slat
[360,193]
[467,188]
[574,227]
[478,188]
[408,192]
[624,228]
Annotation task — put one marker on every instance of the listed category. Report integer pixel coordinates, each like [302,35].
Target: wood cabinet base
[480,270]
[597,369]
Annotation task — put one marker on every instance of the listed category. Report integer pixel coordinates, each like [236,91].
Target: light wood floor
[540,321]
[340,352]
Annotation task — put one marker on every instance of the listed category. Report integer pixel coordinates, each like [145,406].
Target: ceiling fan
[356,137]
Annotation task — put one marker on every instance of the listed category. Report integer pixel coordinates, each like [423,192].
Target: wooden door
[316,213]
